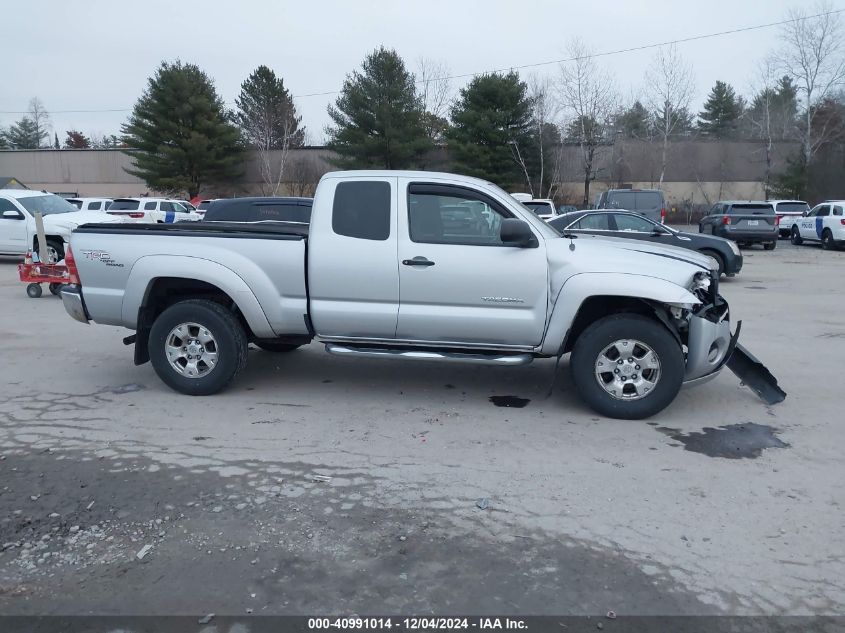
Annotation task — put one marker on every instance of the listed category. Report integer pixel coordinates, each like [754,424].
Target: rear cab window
[792,207]
[124,205]
[362,210]
[751,209]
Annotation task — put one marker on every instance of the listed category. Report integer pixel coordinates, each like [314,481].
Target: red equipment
[36,273]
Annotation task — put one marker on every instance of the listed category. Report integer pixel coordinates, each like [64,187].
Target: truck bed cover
[263,230]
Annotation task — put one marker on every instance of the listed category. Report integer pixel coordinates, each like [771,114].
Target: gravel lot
[438,500]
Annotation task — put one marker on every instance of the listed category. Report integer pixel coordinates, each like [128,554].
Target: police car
[825,223]
[152,210]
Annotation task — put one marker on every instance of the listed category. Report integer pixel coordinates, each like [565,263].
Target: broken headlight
[700,281]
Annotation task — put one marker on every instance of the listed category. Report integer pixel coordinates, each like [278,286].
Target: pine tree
[490,134]
[266,112]
[4,143]
[722,111]
[378,117]
[56,141]
[25,134]
[634,122]
[181,135]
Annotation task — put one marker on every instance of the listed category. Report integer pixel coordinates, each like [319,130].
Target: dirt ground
[319,484]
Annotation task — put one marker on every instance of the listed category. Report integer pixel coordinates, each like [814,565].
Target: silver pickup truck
[411,265]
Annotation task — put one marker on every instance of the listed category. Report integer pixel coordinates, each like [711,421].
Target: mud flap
[754,375]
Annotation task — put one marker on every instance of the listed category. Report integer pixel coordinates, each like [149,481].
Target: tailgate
[752,217]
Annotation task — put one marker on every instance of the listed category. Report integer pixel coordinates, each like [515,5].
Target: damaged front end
[705,333]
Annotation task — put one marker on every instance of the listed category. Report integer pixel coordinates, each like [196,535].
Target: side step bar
[418,354]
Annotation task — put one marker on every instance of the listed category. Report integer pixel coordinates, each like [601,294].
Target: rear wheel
[627,366]
[827,240]
[770,246]
[33,291]
[56,289]
[796,238]
[197,347]
[717,256]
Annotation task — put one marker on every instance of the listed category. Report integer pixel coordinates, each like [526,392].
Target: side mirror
[12,215]
[804,214]
[657,232]
[515,232]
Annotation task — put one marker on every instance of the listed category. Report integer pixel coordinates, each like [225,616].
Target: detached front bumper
[711,347]
[74,303]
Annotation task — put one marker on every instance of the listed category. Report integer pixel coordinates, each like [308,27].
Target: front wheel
[627,366]
[197,347]
[717,256]
[796,238]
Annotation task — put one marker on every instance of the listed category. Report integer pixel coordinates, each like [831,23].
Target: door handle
[418,261]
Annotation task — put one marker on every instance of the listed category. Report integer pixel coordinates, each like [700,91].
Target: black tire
[595,340]
[230,340]
[55,245]
[276,346]
[717,256]
[770,246]
[827,240]
[796,238]
[33,291]
[56,289]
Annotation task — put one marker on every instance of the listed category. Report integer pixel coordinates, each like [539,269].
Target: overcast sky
[98,54]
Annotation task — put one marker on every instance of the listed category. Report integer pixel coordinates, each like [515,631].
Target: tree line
[500,126]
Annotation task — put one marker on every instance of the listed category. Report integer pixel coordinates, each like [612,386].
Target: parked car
[202,207]
[267,209]
[633,226]
[566,208]
[151,210]
[647,202]
[186,204]
[90,204]
[825,224]
[745,222]
[788,211]
[17,221]
[543,209]
[378,274]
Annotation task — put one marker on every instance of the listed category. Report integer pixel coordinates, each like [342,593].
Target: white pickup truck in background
[418,266]
[152,211]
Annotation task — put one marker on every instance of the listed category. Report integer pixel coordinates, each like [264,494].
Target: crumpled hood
[662,250]
[64,223]
[619,255]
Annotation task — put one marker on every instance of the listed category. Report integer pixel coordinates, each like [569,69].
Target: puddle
[509,401]
[130,388]
[734,441]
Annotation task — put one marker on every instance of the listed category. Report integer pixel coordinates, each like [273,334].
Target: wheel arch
[578,304]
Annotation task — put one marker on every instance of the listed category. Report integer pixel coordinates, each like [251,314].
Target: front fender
[147,269]
[582,286]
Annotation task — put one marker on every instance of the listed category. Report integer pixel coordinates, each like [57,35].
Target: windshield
[124,205]
[48,204]
[794,207]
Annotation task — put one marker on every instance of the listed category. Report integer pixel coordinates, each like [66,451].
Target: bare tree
[306,169]
[588,96]
[41,120]
[435,90]
[813,55]
[544,112]
[761,115]
[669,84]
